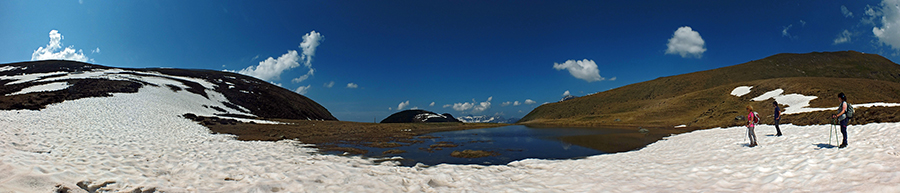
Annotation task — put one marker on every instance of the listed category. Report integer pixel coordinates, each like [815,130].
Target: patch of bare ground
[393,151]
[473,153]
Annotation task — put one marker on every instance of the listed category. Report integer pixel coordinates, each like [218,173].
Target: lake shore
[336,135]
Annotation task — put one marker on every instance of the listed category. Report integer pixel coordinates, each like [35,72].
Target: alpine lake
[502,145]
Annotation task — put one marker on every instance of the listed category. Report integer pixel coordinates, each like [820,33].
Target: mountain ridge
[242,94]
[701,99]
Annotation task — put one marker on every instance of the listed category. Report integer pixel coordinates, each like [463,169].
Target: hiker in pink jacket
[752,120]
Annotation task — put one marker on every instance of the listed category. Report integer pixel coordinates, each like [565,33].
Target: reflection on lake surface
[515,142]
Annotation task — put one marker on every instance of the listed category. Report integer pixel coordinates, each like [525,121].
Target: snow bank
[768,95]
[137,141]
[741,91]
[42,88]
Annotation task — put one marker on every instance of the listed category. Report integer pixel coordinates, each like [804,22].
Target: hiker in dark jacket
[777,118]
[842,117]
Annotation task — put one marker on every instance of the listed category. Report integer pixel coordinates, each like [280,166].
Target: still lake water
[512,143]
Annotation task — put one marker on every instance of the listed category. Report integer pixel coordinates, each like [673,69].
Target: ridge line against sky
[461,57]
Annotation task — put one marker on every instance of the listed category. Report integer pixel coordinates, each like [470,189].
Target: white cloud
[482,106]
[612,79]
[686,42]
[507,103]
[447,105]
[304,77]
[517,103]
[302,89]
[55,51]
[843,37]
[583,69]
[352,85]
[310,41]
[784,32]
[889,14]
[846,11]
[566,93]
[402,105]
[329,84]
[529,101]
[476,107]
[431,105]
[802,23]
[96,50]
[463,106]
[271,69]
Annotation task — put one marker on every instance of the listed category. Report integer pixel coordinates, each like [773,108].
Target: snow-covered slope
[33,85]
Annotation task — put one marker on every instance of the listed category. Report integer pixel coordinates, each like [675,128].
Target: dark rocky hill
[418,116]
[243,93]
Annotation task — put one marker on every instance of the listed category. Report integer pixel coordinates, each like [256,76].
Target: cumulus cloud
[402,105]
[517,103]
[843,37]
[463,106]
[96,50]
[846,11]
[476,107]
[431,105]
[507,103]
[687,43]
[566,93]
[55,51]
[583,69]
[329,84]
[271,68]
[529,101]
[352,85]
[612,79]
[447,105]
[889,31]
[302,89]
[310,41]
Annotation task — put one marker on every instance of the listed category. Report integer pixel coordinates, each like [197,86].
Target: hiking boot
[778,135]
[843,145]
[753,145]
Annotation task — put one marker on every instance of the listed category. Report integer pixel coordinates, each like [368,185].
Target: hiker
[844,117]
[777,118]
[752,120]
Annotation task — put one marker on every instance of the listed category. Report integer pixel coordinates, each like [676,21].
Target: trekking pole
[833,122]
[830,132]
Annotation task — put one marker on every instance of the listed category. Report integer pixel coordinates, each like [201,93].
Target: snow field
[138,141]
[741,91]
[42,88]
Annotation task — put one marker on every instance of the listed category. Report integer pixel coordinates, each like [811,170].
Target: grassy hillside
[702,99]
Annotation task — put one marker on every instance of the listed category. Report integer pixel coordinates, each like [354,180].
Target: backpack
[849,110]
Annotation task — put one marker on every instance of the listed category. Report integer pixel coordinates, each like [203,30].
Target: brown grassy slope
[702,99]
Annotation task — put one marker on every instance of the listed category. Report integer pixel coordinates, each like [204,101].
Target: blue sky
[465,57]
